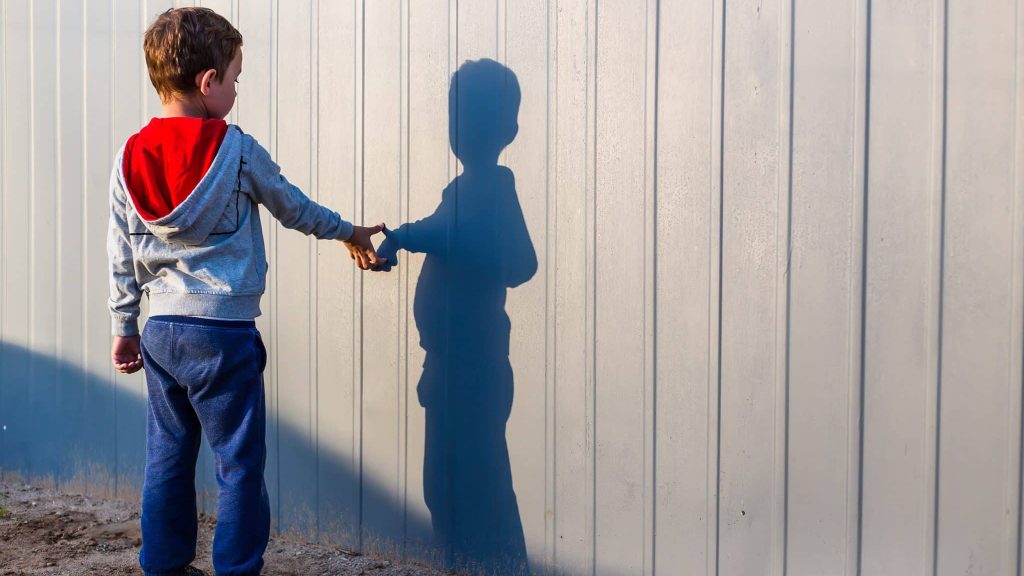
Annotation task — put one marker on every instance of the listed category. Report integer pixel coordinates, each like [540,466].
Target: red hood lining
[167,159]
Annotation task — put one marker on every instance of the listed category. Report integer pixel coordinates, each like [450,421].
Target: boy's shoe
[193,571]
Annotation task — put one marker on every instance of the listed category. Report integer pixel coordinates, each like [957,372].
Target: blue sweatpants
[205,375]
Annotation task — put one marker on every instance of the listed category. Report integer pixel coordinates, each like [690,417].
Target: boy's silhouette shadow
[477,247]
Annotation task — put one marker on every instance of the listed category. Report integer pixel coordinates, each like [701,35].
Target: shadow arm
[429,235]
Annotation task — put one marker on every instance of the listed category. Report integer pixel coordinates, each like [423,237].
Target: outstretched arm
[297,211]
[286,202]
[429,235]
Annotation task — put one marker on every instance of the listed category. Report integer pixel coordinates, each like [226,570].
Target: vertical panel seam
[85,176]
[592,276]
[1017,333]
[403,276]
[653,291]
[109,368]
[861,341]
[785,220]
[33,193]
[3,185]
[355,410]
[313,264]
[939,119]
[33,196]
[361,195]
[275,18]
[452,222]
[59,185]
[645,385]
[551,282]
[721,283]
[399,468]
[3,180]
[550,303]
[3,213]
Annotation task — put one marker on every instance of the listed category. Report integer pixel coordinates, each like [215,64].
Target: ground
[44,531]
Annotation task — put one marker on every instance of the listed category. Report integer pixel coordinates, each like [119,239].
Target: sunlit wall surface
[774,317]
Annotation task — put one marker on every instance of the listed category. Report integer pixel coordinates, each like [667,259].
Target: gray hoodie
[206,257]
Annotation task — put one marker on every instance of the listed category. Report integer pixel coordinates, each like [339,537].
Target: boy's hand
[360,247]
[126,354]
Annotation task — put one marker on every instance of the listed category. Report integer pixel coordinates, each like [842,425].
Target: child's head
[194,54]
[483,111]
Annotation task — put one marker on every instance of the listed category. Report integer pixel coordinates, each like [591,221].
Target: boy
[185,229]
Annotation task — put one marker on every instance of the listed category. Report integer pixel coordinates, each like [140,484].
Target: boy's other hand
[126,353]
[360,247]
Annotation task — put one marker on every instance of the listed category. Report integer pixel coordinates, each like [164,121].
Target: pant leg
[169,521]
[229,399]
[437,464]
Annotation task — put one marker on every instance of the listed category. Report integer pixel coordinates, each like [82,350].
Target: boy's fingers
[128,367]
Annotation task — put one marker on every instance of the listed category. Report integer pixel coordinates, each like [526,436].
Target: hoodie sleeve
[286,202]
[124,289]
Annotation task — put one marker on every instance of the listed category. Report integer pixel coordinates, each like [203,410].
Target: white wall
[778,321]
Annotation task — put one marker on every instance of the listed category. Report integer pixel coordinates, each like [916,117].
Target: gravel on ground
[46,531]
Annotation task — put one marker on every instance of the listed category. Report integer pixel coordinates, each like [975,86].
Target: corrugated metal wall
[778,321]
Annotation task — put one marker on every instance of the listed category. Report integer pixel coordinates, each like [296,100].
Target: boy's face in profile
[219,93]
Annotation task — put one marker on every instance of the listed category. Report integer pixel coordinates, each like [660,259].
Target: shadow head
[483,111]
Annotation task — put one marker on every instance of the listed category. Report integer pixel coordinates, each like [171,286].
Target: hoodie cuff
[345,230]
[126,327]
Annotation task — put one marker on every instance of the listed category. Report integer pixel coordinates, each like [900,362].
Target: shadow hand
[388,252]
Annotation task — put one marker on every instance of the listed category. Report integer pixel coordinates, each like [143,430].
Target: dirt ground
[47,532]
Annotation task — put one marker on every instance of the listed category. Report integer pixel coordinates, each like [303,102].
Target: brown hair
[183,42]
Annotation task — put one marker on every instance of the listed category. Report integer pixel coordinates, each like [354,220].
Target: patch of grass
[3,512]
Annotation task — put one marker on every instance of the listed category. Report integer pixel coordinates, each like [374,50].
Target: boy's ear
[204,79]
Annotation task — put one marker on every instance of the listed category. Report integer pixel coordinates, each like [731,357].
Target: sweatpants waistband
[194,321]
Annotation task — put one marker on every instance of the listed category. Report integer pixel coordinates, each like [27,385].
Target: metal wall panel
[776,324]
[900,304]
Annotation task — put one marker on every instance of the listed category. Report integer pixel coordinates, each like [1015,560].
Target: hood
[179,174]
